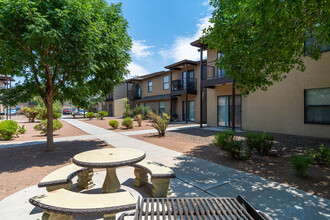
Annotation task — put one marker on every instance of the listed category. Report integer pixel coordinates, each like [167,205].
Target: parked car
[81,112]
[12,111]
[67,111]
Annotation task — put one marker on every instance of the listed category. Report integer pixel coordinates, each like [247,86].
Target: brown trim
[181,63]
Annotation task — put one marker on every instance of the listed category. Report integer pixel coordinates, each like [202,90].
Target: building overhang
[155,98]
[199,44]
[181,64]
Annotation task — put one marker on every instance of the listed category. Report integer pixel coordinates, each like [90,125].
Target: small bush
[141,110]
[114,124]
[300,165]
[42,115]
[139,119]
[127,109]
[320,156]
[223,138]
[102,114]
[90,115]
[127,122]
[42,126]
[21,129]
[160,123]
[234,149]
[30,113]
[8,129]
[261,142]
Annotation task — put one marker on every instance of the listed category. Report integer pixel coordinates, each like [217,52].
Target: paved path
[278,200]
[43,141]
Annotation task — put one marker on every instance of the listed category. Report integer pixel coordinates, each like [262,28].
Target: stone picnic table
[110,159]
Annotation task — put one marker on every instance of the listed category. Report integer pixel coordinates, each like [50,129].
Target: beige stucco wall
[177,74]
[212,101]
[118,107]
[281,108]
[157,86]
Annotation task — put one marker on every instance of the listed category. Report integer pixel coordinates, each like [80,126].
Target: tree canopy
[263,40]
[62,48]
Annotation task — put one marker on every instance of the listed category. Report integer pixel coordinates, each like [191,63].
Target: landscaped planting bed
[276,166]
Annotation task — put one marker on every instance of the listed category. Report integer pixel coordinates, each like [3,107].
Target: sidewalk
[276,199]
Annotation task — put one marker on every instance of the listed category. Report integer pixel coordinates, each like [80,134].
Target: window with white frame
[149,86]
[221,72]
[166,82]
[161,107]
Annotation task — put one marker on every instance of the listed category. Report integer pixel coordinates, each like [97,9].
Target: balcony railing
[180,85]
[212,76]
[133,94]
[109,97]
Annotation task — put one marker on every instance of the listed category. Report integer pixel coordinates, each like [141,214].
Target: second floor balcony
[133,94]
[109,98]
[212,76]
[183,86]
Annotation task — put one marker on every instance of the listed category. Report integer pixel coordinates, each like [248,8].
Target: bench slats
[71,203]
[62,175]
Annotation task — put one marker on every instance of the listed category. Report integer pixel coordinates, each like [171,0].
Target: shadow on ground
[19,158]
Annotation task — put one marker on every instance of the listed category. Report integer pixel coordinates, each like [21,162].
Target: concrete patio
[195,177]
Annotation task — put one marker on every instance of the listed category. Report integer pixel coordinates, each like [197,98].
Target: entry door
[110,110]
[191,111]
[225,111]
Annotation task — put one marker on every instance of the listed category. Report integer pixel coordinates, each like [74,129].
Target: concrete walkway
[43,141]
[276,199]
[195,177]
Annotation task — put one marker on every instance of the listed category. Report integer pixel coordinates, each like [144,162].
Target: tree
[62,48]
[263,40]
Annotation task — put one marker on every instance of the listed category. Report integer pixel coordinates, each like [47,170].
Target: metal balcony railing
[211,72]
[178,85]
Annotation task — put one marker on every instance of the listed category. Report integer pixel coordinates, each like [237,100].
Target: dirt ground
[146,124]
[66,131]
[277,167]
[23,167]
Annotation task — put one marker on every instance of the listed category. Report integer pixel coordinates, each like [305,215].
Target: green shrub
[114,124]
[42,126]
[102,114]
[21,129]
[300,165]
[7,129]
[160,123]
[141,110]
[320,156]
[139,119]
[234,149]
[223,138]
[30,113]
[127,122]
[261,142]
[90,115]
[42,115]
[127,109]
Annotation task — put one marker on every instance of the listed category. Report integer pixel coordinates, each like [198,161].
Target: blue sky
[163,30]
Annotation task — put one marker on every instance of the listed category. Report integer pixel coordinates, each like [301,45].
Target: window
[146,104]
[161,107]
[149,86]
[221,72]
[311,44]
[166,83]
[317,106]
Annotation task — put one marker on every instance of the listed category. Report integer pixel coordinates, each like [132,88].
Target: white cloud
[205,3]
[181,48]
[136,70]
[140,49]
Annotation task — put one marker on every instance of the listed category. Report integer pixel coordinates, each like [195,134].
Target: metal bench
[195,208]
[160,177]
[62,178]
[63,204]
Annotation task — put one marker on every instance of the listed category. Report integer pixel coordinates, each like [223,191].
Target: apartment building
[114,102]
[152,90]
[298,105]
[185,91]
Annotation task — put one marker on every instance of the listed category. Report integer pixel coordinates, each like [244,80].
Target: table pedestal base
[111,183]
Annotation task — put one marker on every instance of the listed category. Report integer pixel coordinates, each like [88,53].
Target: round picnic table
[109,158]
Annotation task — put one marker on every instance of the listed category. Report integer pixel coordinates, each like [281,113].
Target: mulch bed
[21,167]
[276,166]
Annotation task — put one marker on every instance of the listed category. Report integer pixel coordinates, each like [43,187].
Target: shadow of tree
[19,158]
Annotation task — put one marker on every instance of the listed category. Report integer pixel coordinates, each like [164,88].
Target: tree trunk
[49,106]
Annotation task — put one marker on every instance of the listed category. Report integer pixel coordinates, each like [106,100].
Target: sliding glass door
[191,111]
[225,111]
